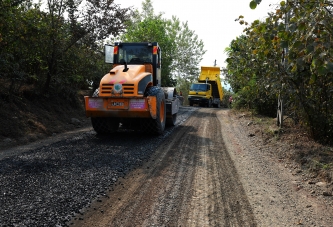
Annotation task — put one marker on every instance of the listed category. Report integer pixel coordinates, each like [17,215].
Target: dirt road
[190,181]
[206,171]
[197,178]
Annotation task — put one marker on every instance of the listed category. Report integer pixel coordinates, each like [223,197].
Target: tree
[254,3]
[303,74]
[189,51]
[148,27]
[245,76]
[86,24]
[181,48]
[44,48]
[16,34]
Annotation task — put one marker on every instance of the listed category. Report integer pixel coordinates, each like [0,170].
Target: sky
[212,20]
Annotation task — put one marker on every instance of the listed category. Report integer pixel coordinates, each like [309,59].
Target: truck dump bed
[212,75]
[209,72]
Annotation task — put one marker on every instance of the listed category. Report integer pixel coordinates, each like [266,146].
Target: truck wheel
[191,103]
[172,120]
[105,125]
[156,126]
[209,104]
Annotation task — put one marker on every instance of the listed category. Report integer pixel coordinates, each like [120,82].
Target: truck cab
[208,90]
[201,94]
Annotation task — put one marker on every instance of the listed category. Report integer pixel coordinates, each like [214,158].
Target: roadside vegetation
[54,46]
[58,46]
[52,50]
[288,55]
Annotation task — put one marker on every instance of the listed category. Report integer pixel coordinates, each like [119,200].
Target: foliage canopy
[57,48]
[182,50]
[288,54]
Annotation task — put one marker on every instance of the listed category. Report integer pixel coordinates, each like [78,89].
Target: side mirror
[108,51]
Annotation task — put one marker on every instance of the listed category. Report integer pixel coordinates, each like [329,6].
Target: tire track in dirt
[190,181]
[272,189]
[227,204]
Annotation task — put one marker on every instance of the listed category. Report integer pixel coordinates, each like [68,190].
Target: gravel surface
[48,185]
[190,180]
[279,192]
[213,165]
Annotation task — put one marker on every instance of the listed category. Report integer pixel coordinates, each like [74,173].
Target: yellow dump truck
[131,95]
[208,90]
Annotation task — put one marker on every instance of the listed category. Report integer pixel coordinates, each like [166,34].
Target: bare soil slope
[25,119]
